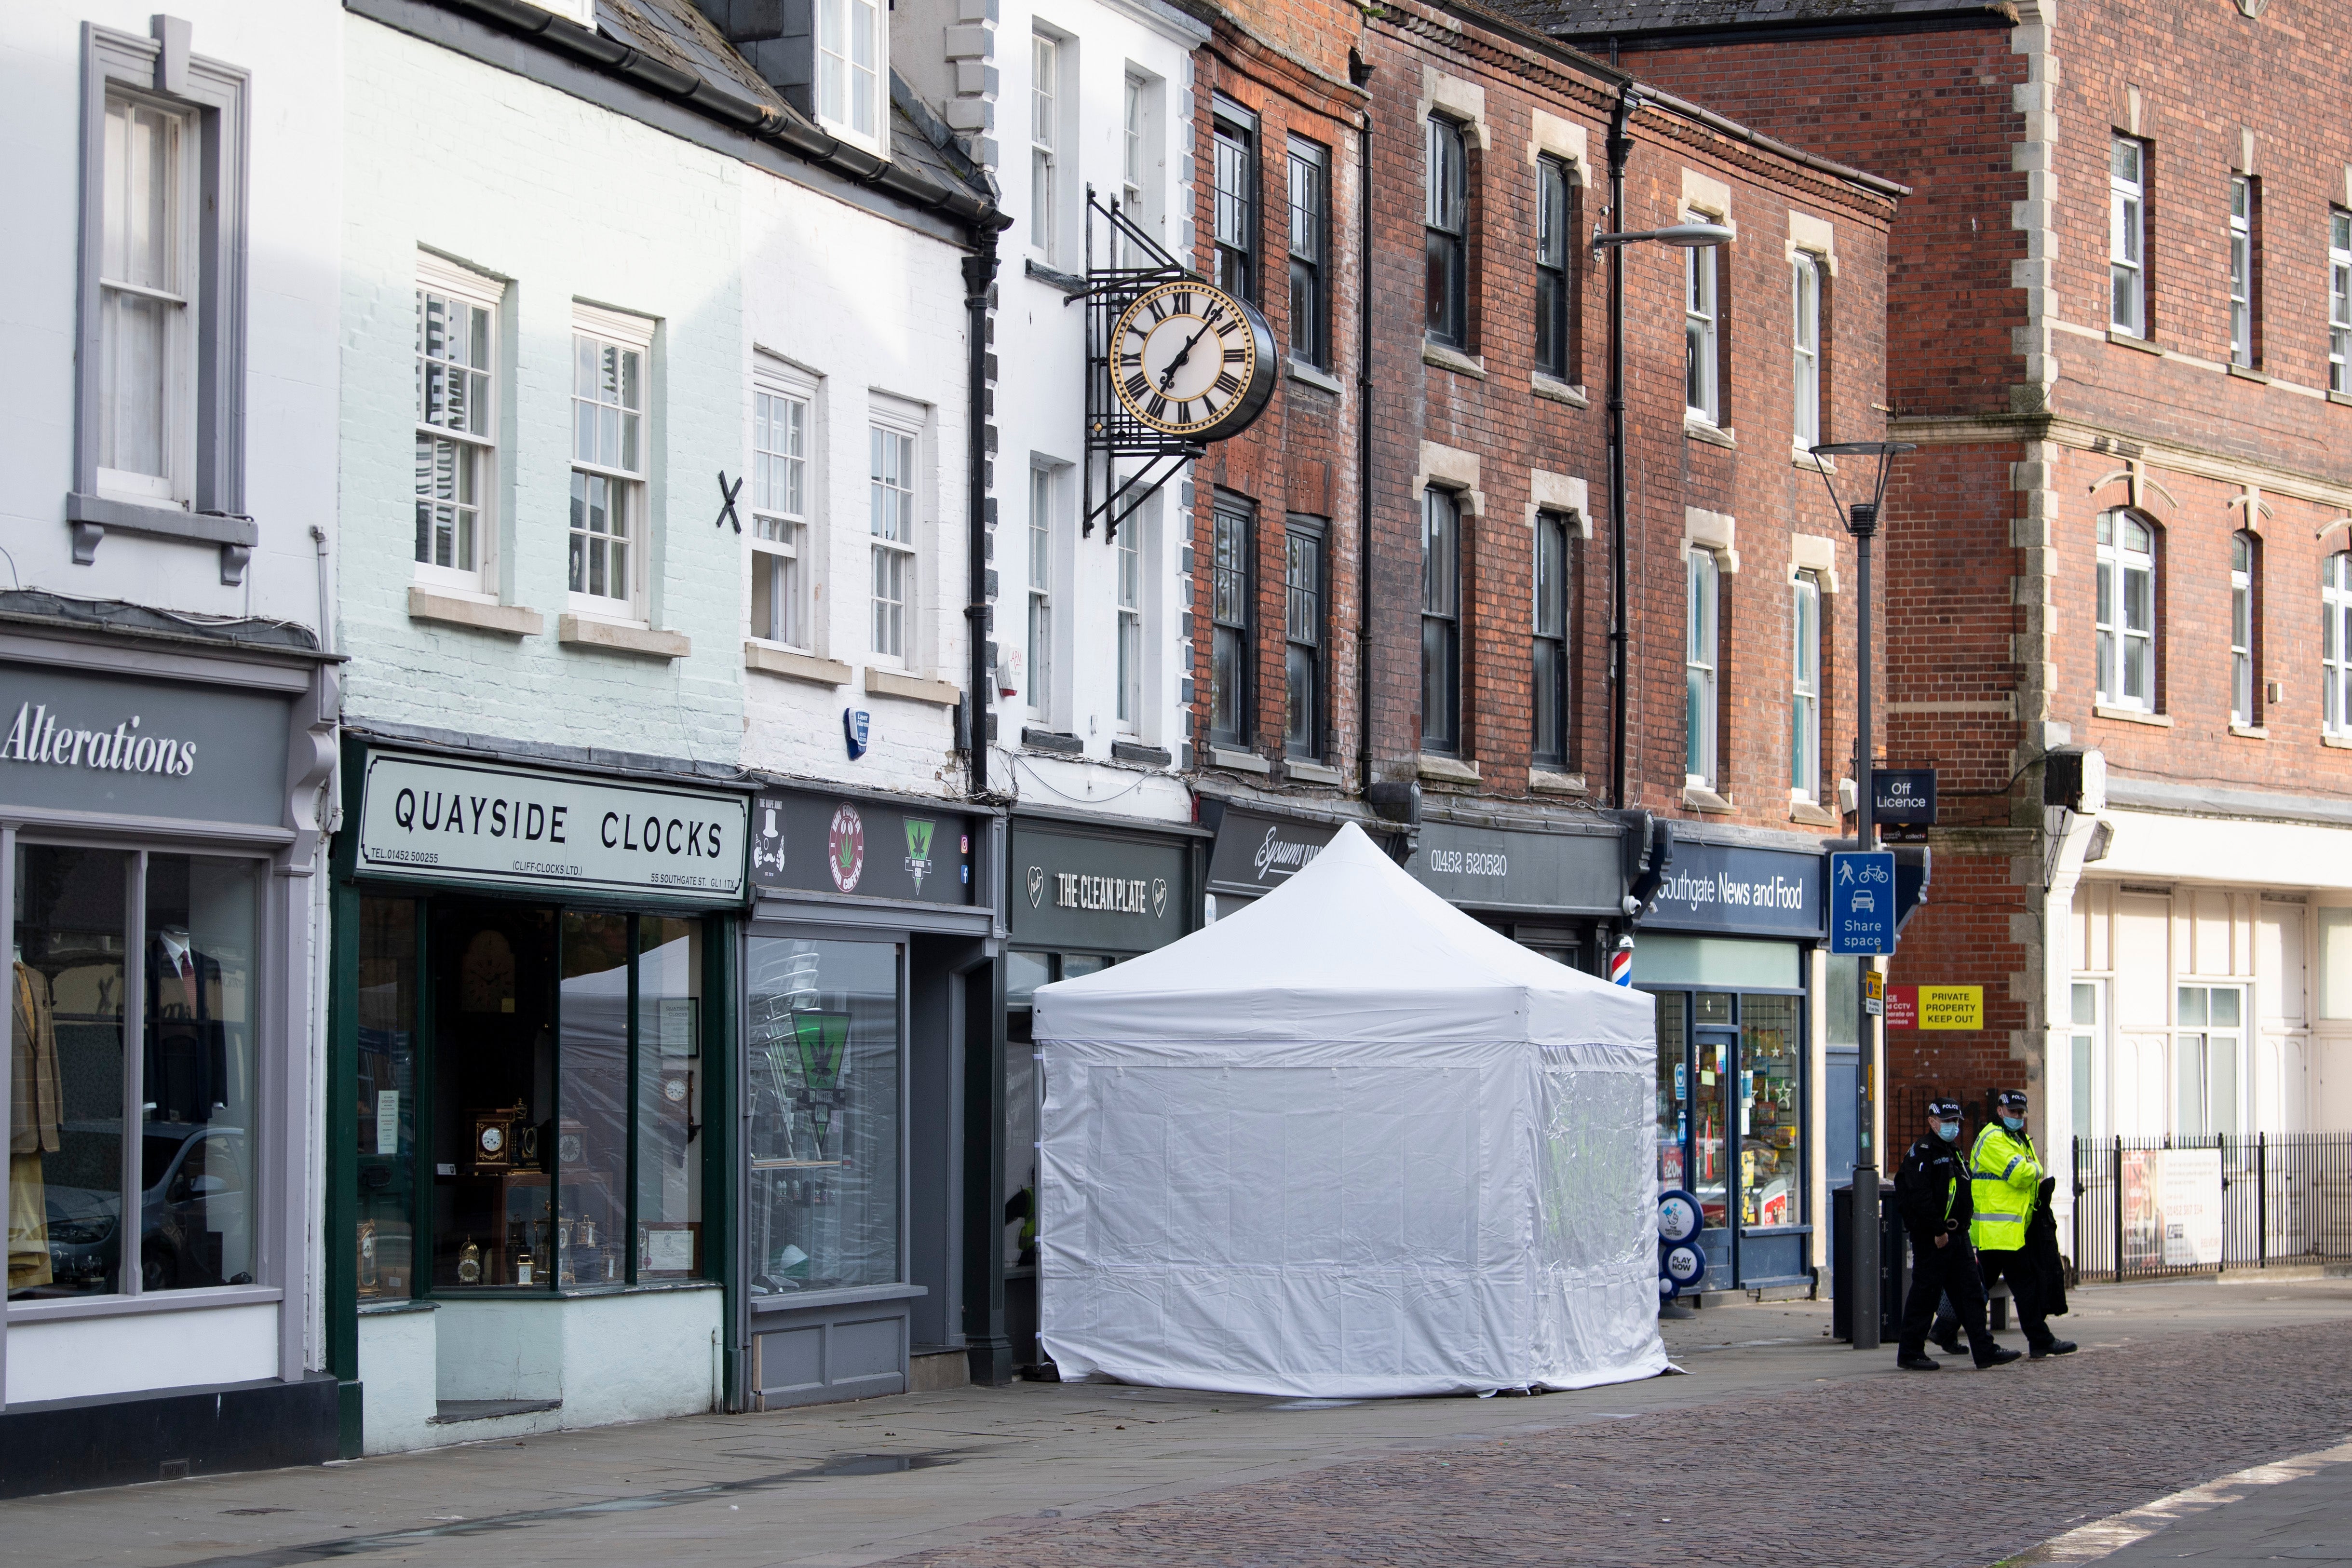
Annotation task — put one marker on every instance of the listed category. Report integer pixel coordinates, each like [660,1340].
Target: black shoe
[2055,1347]
[1999,1357]
[1920,1363]
[1949,1344]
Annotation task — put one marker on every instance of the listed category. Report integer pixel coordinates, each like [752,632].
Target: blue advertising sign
[1862,902]
[1732,890]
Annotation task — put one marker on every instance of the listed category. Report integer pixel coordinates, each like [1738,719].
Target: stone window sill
[1321,381]
[1542,781]
[1454,360]
[1698,798]
[1559,391]
[1807,813]
[89,516]
[2251,731]
[2343,397]
[608,637]
[913,687]
[1137,751]
[1052,277]
[2133,716]
[1305,772]
[1811,464]
[1059,743]
[790,665]
[2247,372]
[1238,762]
[2125,340]
[2341,742]
[1713,436]
[508,620]
[1447,769]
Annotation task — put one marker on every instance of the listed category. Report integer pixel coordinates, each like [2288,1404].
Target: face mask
[2014,1123]
[1949,1132]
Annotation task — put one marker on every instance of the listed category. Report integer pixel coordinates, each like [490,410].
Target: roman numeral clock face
[1190,359]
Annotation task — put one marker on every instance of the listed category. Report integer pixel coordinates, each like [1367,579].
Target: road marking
[2105,1536]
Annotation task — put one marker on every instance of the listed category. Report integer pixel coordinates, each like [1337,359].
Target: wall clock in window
[1190,359]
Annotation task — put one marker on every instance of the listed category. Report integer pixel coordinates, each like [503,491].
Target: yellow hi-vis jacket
[2003,1176]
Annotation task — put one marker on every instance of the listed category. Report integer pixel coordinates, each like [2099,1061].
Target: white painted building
[654,446]
[167,497]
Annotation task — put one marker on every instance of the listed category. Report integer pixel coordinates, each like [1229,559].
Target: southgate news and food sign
[452,821]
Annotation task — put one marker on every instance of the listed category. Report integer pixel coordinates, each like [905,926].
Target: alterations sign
[457,821]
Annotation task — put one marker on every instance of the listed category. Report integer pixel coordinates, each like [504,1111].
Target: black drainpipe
[978,274]
[1360,72]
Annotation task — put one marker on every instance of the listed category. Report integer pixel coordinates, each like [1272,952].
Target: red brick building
[1466,699]
[2120,316]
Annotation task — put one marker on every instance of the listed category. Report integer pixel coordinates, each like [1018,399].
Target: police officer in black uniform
[1931,1192]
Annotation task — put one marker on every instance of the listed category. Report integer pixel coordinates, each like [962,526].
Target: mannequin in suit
[36,1112]
[187,1046]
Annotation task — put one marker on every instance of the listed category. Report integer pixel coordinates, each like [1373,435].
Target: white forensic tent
[1348,1143]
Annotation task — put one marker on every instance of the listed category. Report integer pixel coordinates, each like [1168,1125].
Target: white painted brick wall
[570,201]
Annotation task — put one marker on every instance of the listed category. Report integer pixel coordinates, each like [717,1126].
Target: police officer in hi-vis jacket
[1932,1192]
[2006,1182]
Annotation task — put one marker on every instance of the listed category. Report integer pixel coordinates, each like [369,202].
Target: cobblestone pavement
[1955,1469]
[1753,1457]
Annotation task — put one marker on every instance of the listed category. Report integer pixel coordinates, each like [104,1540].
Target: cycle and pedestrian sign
[1862,902]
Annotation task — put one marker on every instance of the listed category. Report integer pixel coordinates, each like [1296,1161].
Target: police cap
[1943,1109]
[2010,1099]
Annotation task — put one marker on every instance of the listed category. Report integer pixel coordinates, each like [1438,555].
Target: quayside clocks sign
[425,817]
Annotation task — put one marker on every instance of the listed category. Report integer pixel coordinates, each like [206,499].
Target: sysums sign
[470,821]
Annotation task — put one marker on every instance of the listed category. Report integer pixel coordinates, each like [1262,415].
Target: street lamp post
[1862,521]
[1614,240]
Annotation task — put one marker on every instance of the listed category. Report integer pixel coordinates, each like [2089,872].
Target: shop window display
[93,927]
[1674,1091]
[1771,1148]
[548,1028]
[823,1038]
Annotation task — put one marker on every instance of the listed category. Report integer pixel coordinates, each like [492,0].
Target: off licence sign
[1935,1006]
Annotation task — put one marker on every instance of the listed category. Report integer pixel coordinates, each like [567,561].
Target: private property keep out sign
[1935,1006]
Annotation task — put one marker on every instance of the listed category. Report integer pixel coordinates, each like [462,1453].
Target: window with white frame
[1702,318]
[1310,226]
[1554,268]
[851,70]
[2243,202]
[890,521]
[1136,167]
[147,283]
[2339,301]
[2126,623]
[610,452]
[1233,132]
[1441,621]
[783,414]
[2126,237]
[1805,690]
[1702,663]
[2209,1046]
[1039,680]
[160,348]
[1045,132]
[457,426]
[1127,550]
[2242,629]
[2335,643]
[1234,625]
[1302,636]
[1805,314]
[1548,692]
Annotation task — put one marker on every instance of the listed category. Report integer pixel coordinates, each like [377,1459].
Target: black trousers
[1936,1271]
[2024,1291]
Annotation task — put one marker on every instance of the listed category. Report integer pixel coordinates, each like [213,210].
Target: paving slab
[1774,1443]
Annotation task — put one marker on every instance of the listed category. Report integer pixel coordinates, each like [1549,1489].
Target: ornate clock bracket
[1136,265]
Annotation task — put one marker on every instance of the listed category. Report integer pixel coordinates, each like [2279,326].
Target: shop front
[1255,852]
[1553,888]
[1081,894]
[1729,950]
[533,1028]
[162,788]
[867,969]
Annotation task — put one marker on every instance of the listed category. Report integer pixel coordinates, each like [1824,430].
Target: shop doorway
[1730,1129]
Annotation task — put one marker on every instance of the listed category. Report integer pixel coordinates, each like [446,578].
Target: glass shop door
[1714,1145]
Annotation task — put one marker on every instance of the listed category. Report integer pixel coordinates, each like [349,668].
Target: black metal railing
[2146,1208]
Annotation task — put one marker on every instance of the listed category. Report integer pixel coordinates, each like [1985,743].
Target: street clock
[1190,360]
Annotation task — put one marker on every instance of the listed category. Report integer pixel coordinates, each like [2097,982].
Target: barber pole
[1620,964]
